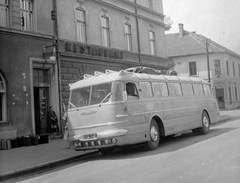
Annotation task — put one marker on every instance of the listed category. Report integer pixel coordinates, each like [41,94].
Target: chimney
[181,30]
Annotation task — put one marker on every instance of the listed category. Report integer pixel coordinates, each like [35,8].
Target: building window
[227,68]
[150,4]
[40,76]
[217,67]
[152,42]
[81,25]
[128,36]
[239,70]
[234,69]
[192,69]
[4,17]
[3,100]
[26,14]
[105,31]
[230,94]
[236,94]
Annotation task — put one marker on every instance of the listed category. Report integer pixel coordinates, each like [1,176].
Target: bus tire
[205,124]
[154,136]
[105,151]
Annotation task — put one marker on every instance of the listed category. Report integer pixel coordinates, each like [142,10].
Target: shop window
[3,100]
[26,15]
[4,16]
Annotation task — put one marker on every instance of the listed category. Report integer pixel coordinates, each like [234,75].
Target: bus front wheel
[154,136]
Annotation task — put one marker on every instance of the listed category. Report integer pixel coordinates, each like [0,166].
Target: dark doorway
[40,109]
[220,98]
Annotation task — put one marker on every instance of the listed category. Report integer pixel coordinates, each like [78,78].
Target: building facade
[192,53]
[45,45]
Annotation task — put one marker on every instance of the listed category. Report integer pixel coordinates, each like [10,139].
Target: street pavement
[23,160]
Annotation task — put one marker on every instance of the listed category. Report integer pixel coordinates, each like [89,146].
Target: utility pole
[56,43]
[208,66]
[138,36]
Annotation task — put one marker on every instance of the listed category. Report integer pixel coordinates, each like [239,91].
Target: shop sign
[93,50]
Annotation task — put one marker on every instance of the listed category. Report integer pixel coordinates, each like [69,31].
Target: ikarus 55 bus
[117,108]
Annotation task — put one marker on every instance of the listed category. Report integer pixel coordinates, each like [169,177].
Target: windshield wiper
[105,98]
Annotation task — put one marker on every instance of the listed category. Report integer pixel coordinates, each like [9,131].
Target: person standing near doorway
[52,122]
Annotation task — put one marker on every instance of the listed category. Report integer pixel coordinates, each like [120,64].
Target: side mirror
[124,95]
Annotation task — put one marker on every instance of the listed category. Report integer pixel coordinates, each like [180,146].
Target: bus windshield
[96,94]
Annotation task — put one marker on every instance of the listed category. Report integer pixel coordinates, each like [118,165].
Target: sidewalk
[26,159]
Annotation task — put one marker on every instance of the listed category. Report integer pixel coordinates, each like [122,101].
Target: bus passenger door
[134,107]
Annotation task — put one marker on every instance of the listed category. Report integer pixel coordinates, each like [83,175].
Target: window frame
[81,31]
[3,100]
[26,15]
[5,8]
[128,36]
[152,42]
[105,31]
[192,68]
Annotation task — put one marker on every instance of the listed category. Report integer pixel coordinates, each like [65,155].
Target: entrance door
[41,107]
[220,97]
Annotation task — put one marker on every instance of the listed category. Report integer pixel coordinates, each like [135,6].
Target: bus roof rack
[149,70]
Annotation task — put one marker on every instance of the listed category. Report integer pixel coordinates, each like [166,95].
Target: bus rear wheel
[154,136]
[205,125]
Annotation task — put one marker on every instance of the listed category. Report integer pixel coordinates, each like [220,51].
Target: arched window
[3,100]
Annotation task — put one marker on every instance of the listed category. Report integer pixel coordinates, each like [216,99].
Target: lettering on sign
[93,50]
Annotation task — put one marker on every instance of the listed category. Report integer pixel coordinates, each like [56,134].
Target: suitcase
[43,139]
[34,140]
[6,144]
[14,143]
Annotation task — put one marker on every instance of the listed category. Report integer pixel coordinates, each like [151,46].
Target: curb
[45,166]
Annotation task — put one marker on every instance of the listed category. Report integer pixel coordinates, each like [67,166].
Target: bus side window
[196,92]
[156,89]
[190,89]
[164,89]
[185,88]
[200,89]
[131,91]
[178,89]
[171,87]
[207,90]
[146,89]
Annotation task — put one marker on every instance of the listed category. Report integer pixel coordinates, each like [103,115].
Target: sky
[218,20]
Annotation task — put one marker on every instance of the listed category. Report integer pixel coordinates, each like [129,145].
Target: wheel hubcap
[205,121]
[154,133]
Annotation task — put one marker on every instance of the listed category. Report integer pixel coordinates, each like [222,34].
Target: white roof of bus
[110,76]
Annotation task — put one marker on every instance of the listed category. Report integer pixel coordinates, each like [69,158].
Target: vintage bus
[117,108]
